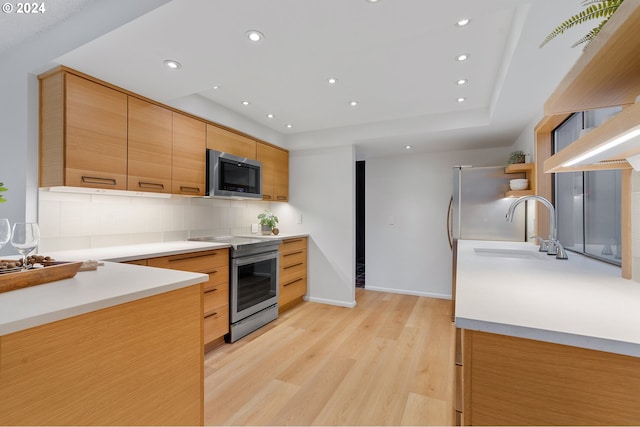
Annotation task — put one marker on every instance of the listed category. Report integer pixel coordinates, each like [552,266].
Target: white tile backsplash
[82,221]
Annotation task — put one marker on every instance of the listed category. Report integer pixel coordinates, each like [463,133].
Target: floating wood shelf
[529,169]
[607,74]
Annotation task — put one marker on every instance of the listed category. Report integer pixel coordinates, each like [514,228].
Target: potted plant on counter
[268,221]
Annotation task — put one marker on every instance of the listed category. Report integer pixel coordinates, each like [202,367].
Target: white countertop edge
[136,257]
[281,236]
[592,343]
[66,312]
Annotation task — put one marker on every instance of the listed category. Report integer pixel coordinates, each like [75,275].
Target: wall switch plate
[300,219]
[255,228]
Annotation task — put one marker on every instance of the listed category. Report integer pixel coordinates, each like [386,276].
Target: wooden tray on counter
[55,270]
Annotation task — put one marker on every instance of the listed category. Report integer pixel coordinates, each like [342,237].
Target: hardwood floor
[388,361]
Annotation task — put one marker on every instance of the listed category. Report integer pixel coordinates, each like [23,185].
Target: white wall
[322,190]
[407,198]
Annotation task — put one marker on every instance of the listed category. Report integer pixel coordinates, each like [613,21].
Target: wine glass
[5,232]
[25,238]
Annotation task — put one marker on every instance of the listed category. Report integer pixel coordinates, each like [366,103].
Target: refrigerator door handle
[450,223]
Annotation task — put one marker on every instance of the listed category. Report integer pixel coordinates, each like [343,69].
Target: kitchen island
[544,341]
[121,345]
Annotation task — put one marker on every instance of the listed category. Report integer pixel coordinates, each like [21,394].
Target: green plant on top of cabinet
[83,133]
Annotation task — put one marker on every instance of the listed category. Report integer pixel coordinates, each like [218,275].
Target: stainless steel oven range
[253,283]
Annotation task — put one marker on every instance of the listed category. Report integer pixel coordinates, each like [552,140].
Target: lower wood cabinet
[293,272]
[215,263]
[136,363]
[514,381]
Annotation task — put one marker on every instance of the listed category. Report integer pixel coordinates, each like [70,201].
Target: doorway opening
[360,267]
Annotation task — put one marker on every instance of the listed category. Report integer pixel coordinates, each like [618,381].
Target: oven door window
[257,282]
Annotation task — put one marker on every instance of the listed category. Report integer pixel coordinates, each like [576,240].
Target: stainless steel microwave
[233,176]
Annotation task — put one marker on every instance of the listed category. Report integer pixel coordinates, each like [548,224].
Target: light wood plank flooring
[388,361]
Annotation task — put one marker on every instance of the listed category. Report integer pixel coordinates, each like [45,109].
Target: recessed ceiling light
[332,80]
[461,99]
[462,81]
[255,36]
[462,57]
[170,63]
[408,147]
[353,103]
[216,87]
[245,103]
[270,116]
[373,1]
[288,126]
[463,22]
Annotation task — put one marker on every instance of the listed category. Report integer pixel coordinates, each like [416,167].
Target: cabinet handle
[179,258]
[286,242]
[282,197]
[293,253]
[154,185]
[294,265]
[98,180]
[293,281]
[189,189]
[266,196]
[211,290]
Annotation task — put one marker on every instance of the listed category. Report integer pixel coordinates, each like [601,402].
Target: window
[588,204]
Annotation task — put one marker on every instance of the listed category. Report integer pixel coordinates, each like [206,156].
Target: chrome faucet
[551,246]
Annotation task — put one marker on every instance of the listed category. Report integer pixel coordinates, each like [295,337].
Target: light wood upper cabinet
[275,172]
[188,159]
[228,142]
[83,140]
[150,147]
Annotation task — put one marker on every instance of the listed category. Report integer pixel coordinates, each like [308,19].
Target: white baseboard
[408,292]
[330,302]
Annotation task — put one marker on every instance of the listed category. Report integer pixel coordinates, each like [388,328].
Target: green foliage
[2,190]
[595,9]
[268,218]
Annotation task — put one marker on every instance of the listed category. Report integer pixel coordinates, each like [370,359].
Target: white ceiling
[395,57]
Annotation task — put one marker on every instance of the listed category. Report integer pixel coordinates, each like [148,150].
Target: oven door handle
[255,258]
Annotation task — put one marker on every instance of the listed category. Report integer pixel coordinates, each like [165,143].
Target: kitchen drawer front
[216,324]
[293,258]
[203,262]
[295,244]
[218,276]
[216,297]
[292,290]
[294,271]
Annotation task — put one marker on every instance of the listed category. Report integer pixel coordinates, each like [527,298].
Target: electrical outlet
[255,228]
[300,219]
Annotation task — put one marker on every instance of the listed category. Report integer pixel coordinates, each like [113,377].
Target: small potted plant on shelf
[268,221]
[516,157]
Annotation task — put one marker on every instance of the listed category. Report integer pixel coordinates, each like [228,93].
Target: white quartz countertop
[134,252]
[109,285]
[512,289]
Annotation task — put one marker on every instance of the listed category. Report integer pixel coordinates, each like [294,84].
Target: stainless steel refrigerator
[478,209]
[478,206]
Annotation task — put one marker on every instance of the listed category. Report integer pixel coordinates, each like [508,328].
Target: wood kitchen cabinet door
[150,147]
[188,157]
[275,172]
[228,142]
[83,133]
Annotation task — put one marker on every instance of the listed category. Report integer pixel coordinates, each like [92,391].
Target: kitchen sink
[510,253]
